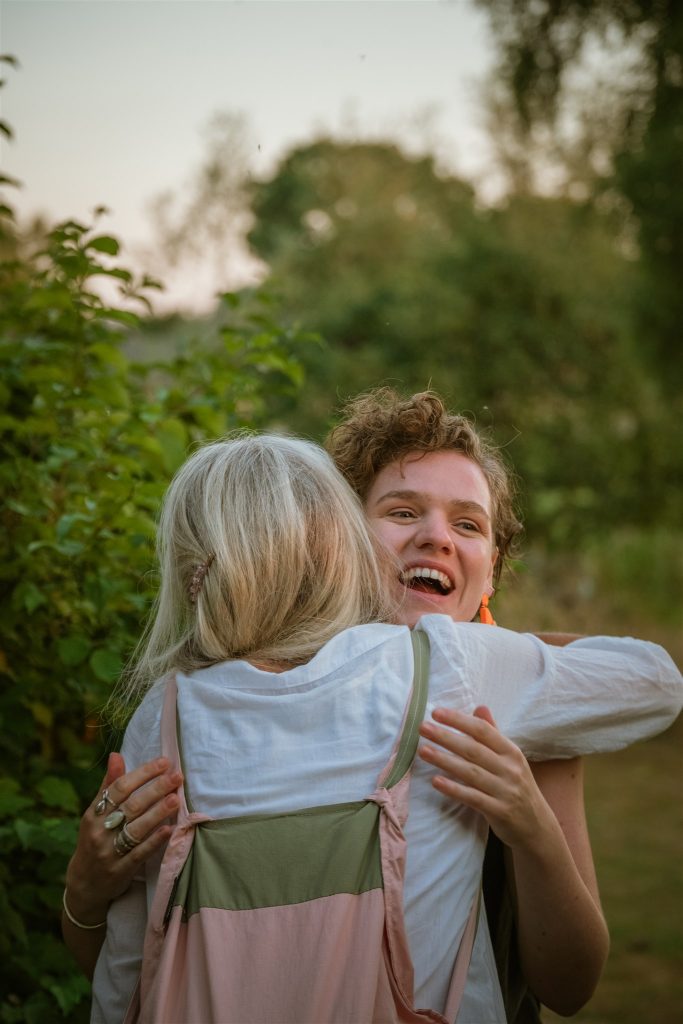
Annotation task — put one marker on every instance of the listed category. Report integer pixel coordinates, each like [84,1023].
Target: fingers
[131,861]
[483,712]
[148,797]
[149,805]
[480,726]
[470,777]
[155,812]
[149,794]
[464,794]
[473,754]
[482,769]
[472,738]
[116,767]
[123,785]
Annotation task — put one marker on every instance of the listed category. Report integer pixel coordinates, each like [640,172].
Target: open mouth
[427,581]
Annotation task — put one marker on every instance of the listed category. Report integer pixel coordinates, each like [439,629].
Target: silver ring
[120,849]
[127,838]
[124,842]
[114,819]
[101,805]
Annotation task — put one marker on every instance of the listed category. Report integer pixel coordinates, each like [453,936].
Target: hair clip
[198,578]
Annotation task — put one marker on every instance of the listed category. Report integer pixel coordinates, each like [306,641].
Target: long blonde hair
[293,561]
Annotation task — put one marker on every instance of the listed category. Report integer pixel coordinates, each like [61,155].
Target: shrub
[90,440]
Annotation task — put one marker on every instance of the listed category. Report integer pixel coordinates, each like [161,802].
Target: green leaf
[70,991]
[37,1009]
[11,799]
[106,664]
[172,436]
[58,793]
[119,316]
[66,522]
[231,299]
[104,243]
[31,596]
[51,835]
[119,273]
[73,650]
[21,510]
[152,282]
[42,713]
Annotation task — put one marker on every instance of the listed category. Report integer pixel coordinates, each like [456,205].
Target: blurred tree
[200,228]
[89,441]
[543,47]
[520,314]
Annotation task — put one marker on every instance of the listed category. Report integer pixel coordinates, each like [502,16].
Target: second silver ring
[124,841]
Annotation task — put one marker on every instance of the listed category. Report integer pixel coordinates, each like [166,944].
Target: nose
[435,532]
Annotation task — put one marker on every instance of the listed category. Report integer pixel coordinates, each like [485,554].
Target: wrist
[84,920]
[85,905]
[540,842]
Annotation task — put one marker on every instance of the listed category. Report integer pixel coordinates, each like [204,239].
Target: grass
[635,818]
[634,802]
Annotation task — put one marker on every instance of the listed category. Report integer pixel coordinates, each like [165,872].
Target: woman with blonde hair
[290,696]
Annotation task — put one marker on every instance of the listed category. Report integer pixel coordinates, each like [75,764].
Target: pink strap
[169,735]
[182,836]
[169,740]
[462,962]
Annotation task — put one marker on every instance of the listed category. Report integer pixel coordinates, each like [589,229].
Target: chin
[409,613]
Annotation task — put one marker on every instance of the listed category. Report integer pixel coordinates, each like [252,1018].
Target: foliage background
[553,317]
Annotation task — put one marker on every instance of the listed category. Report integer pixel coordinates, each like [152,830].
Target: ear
[489,589]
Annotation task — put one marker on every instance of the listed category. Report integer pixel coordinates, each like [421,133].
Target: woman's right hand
[97,874]
[488,772]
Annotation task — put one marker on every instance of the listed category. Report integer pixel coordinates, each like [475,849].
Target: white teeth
[422,572]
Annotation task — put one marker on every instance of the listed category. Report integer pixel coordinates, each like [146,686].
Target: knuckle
[133,808]
[445,736]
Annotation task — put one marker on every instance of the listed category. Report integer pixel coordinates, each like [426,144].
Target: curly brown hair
[381,427]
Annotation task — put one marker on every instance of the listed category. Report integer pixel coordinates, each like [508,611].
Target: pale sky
[112,96]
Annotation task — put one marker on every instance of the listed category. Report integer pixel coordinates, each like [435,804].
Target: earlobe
[489,588]
[484,613]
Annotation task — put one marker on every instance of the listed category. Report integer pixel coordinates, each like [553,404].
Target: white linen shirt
[262,742]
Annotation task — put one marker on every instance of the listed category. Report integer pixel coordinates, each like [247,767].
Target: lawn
[634,801]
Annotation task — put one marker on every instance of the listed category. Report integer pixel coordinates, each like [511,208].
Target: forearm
[97,874]
[557,885]
[84,926]
[84,946]
[539,814]
[562,935]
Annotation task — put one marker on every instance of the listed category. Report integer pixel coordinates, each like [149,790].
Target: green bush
[90,440]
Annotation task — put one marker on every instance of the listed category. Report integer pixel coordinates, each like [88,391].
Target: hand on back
[484,770]
[97,873]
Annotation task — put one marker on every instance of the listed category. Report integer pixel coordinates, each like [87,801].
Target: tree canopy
[90,440]
[541,46]
[524,315]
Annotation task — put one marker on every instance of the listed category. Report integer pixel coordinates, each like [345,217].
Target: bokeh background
[481,196]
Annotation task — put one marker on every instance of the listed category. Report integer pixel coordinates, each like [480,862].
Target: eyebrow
[457,504]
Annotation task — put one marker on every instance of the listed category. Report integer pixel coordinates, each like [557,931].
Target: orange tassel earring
[484,613]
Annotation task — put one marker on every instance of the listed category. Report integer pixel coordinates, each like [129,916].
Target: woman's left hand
[486,771]
[102,868]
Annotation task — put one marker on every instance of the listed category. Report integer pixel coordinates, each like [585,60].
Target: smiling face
[434,512]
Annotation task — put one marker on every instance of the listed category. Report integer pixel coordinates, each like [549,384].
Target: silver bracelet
[85,927]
